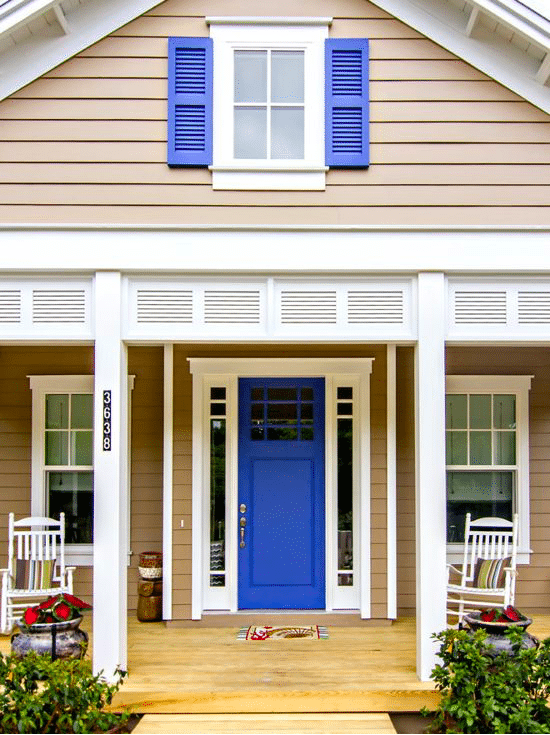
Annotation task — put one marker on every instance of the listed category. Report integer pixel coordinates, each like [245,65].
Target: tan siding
[16,363]
[406,572]
[87,141]
[182,459]
[533,585]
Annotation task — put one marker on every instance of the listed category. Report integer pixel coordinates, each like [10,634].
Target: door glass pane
[57,448]
[479,493]
[480,412]
[72,494]
[504,412]
[505,447]
[307,394]
[282,394]
[250,132]
[457,452]
[250,76]
[345,497]
[287,132]
[82,448]
[456,413]
[287,76]
[217,500]
[282,413]
[82,406]
[480,447]
[282,434]
[57,411]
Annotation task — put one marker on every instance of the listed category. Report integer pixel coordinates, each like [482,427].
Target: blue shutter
[347,102]
[189,101]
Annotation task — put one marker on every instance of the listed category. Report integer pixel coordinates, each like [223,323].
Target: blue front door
[281,493]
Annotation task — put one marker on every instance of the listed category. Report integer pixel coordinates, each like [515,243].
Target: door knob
[242,508]
[243,522]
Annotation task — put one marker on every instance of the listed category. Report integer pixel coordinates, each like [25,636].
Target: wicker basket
[150,565]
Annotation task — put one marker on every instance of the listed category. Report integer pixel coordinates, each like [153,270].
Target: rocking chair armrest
[451,568]
[6,572]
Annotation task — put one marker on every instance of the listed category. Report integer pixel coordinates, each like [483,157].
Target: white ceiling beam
[543,73]
[472,20]
[61,19]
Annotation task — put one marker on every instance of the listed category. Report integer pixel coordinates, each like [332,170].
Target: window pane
[217,409]
[456,412]
[82,448]
[505,447]
[57,411]
[283,434]
[343,393]
[480,412]
[504,412]
[480,447]
[250,132]
[345,495]
[457,447]
[287,132]
[282,413]
[217,393]
[250,76]
[57,448]
[344,409]
[82,408]
[282,394]
[72,494]
[479,493]
[217,500]
[287,76]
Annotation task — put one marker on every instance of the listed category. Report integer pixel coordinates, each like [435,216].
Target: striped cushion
[489,573]
[33,574]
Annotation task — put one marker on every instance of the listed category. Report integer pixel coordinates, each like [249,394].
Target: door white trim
[225,372]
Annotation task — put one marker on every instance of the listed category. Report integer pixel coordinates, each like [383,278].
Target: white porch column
[110,479]
[430,505]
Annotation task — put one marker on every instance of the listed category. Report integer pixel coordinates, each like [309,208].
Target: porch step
[306,722]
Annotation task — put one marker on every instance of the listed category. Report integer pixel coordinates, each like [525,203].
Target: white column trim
[391,500]
[365,560]
[111,543]
[430,506]
[197,576]
[167,480]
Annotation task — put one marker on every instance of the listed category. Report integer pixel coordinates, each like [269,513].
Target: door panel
[281,485]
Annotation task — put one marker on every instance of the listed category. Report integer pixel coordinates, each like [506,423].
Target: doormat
[267,632]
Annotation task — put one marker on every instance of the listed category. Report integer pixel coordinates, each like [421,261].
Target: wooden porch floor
[209,671]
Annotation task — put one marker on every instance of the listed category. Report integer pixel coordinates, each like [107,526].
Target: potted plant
[52,628]
[497,621]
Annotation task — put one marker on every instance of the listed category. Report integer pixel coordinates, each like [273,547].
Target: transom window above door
[281,414]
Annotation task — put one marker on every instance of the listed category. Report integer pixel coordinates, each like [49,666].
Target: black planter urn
[497,641]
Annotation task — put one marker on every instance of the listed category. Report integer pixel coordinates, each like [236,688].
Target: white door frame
[209,372]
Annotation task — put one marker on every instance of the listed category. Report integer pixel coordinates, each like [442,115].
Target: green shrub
[481,693]
[38,695]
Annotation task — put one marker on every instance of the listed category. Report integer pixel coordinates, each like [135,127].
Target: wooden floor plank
[378,723]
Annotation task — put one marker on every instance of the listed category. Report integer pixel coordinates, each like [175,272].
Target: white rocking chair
[36,566]
[488,572]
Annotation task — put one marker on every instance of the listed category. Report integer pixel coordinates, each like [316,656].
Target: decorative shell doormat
[268,632]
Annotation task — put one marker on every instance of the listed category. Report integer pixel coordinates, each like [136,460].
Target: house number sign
[106,420]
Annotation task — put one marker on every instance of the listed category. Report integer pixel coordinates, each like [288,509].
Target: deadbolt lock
[242,508]
[243,522]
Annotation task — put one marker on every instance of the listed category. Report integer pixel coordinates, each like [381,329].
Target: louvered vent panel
[10,306]
[480,307]
[346,72]
[371,307]
[164,306]
[534,307]
[58,306]
[347,130]
[190,72]
[232,307]
[190,128]
[308,307]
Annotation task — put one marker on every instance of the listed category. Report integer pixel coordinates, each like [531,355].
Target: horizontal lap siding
[183,448]
[86,143]
[533,584]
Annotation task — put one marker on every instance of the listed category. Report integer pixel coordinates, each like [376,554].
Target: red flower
[31,615]
[512,614]
[49,603]
[488,616]
[76,602]
[62,611]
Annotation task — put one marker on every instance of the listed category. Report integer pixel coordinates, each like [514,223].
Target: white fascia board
[89,23]
[490,53]
[234,250]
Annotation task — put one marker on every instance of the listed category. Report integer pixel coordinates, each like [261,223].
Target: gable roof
[508,40]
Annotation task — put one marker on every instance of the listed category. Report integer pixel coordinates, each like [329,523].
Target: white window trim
[225,372]
[41,385]
[520,386]
[307,34]
[81,555]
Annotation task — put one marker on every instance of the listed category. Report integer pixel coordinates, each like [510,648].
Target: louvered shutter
[346,102]
[190,101]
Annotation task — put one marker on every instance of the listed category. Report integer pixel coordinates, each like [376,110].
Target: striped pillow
[489,573]
[33,574]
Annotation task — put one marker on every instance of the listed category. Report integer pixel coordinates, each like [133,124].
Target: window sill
[82,555]
[455,555]
[269,178]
